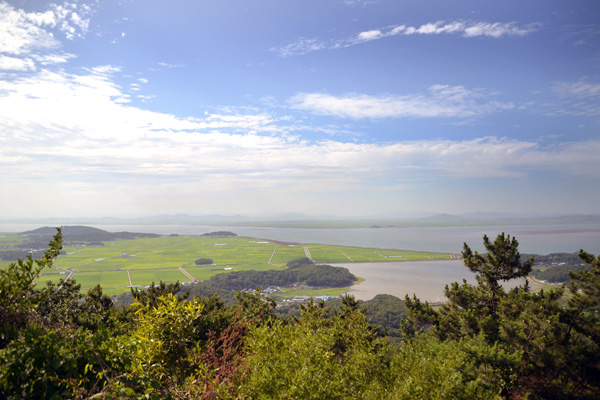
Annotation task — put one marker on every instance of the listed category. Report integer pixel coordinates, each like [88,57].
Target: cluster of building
[303,299]
[298,299]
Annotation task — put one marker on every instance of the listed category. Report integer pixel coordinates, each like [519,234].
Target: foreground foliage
[485,342]
[540,348]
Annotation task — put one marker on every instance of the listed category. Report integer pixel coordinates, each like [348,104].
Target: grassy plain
[142,277]
[153,259]
[170,275]
[54,278]
[88,280]
[283,254]
[113,279]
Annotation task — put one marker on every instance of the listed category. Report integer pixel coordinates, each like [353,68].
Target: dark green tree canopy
[502,261]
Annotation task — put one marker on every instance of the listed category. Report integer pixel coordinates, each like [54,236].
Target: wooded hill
[85,234]
[298,272]
[556,267]
[72,235]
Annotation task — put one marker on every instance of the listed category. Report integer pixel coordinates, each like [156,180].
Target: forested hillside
[485,342]
[37,240]
[556,267]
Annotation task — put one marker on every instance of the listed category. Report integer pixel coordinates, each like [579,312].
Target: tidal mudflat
[426,279]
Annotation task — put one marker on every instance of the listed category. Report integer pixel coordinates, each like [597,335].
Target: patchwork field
[139,262]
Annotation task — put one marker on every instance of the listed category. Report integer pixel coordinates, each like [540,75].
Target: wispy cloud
[581,34]
[582,88]
[439,101]
[300,46]
[359,3]
[579,98]
[467,29]
[170,65]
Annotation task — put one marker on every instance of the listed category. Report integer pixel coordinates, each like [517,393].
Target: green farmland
[139,262]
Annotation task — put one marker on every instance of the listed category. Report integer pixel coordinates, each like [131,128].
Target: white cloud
[145,98]
[27,40]
[104,70]
[75,129]
[22,32]
[49,59]
[370,35]
[468,29]
[441,101]
[16,64]
[72,19]
[497,29]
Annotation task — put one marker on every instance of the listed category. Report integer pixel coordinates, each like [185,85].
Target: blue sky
[341,107]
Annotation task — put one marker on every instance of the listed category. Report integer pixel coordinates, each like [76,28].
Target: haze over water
[540,239]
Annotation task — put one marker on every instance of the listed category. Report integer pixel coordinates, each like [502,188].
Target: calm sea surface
[426,279]
[540,239]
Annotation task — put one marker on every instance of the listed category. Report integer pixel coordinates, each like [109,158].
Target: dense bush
[219,234]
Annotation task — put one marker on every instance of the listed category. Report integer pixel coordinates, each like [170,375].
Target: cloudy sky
[341,107]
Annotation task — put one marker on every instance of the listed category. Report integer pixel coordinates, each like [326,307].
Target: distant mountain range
[306,221]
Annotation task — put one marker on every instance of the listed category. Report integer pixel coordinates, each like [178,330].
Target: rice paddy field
[138,262]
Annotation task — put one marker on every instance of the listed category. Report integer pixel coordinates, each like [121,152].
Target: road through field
[187,274]
[272,254]
[307,252]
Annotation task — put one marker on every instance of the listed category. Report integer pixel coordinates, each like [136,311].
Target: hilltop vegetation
[310,274]
[485,342]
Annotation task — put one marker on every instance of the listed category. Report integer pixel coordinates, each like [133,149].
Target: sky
[324,107]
